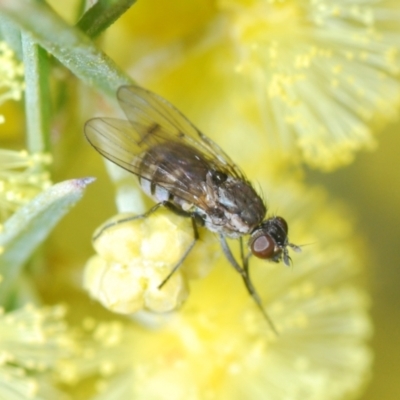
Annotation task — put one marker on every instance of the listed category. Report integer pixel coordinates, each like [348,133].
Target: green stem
[12,35]
[104,13]
[80,9]
[68,44]
[37,95]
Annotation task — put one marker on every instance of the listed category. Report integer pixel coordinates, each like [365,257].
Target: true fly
[181,168]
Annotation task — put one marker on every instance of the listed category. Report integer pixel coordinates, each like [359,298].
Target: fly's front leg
[246,278]
[245,259]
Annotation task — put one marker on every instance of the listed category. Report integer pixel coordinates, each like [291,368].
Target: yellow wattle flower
[318,78]
[33,341]
[22,177]
[219,346]
[134,258]
[11,75]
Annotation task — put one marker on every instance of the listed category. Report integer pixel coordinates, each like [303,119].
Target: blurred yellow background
[371,188]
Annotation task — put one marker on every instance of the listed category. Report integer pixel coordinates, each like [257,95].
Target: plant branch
[68,44]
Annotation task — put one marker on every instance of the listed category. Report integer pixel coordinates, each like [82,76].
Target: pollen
[22,177]
[11,75]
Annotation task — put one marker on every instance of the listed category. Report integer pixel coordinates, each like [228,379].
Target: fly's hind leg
[130,218]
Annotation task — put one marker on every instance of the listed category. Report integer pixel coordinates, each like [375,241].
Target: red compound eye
[263,246]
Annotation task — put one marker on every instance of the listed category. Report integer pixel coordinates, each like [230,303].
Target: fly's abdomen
[158,193]
[173,172]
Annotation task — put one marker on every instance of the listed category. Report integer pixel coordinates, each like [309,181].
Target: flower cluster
[317,77]
[22,177]
[219,346]
[33,341]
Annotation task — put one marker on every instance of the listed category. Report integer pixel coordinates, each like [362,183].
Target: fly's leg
[179,263]
[130,218]
[246,278]
[245,259]
[245,266]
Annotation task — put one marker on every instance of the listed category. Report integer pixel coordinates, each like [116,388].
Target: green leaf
[24,231]
[103,14]
[37,95]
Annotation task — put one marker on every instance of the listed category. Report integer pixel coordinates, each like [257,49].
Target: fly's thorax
[179,174]
[234,207]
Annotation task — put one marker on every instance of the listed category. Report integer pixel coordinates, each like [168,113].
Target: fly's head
[269,241]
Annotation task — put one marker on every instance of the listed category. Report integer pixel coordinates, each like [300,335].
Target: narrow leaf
[67,43]
[24,231]
[37,95]
[104,13]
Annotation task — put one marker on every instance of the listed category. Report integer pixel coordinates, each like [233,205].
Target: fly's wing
[117,141]
[153,122]
[156,120]
[120,143]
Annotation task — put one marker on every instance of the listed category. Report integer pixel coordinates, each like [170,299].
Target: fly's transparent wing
[181,169]
[117,141]
[158,136]
[156,120]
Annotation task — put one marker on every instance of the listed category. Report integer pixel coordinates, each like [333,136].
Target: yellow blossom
[12,86]
[32,342]
[11,75]
[218,346]
[317,77]
[135,256]
[21,178]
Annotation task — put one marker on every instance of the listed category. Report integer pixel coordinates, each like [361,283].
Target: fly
[181,168]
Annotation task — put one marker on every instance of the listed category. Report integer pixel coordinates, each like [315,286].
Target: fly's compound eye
[264,246]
